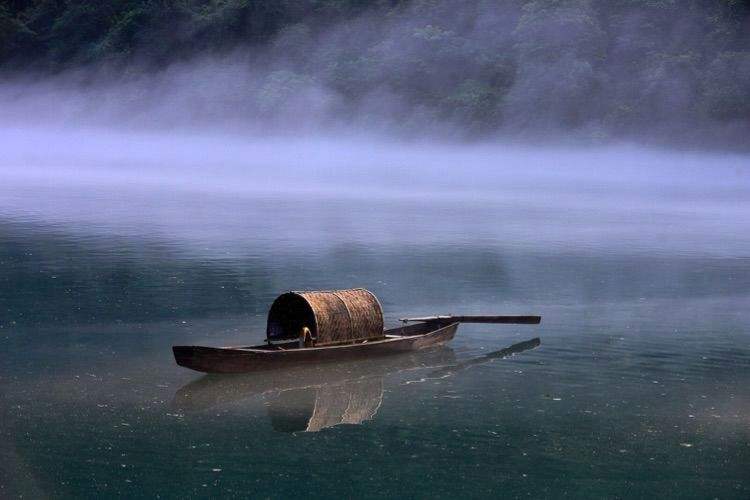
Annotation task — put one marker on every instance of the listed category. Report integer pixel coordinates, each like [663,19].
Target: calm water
[638,386]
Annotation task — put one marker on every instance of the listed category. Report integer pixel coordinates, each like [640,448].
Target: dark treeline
[611,68]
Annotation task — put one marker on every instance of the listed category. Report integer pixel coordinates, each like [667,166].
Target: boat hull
[259,358]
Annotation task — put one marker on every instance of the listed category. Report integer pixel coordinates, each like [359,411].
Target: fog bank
[206,190]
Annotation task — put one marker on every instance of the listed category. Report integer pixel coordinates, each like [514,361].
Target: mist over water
[595,196]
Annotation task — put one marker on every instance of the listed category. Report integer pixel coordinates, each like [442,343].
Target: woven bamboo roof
[333,316]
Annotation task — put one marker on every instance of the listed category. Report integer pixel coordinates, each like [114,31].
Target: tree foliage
[487,64]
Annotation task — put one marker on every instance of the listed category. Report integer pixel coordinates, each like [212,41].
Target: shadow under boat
[312,398]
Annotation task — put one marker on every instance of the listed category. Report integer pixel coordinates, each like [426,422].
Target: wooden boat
[344,325]
[211,390]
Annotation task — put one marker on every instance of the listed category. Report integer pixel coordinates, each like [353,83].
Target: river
[115,246]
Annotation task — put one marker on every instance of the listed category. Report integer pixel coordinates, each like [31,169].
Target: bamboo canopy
[333,317]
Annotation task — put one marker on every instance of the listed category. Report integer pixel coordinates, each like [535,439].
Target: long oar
[521,320]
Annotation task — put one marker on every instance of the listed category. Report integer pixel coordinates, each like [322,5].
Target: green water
[637,388]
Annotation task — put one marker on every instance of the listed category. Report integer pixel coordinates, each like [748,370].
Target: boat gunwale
[260,348]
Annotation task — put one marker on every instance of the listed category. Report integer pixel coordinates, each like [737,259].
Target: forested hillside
[612,67]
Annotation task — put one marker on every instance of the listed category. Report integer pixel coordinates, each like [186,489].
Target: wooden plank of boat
[270,356]
[425,332]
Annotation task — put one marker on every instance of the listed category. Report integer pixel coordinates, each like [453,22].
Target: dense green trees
[603,67]
[59,32]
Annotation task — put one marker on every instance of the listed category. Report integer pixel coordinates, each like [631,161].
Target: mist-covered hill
[672,70]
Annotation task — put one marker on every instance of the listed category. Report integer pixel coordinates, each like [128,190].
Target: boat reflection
[313,409]
[312,398]
[502,353]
